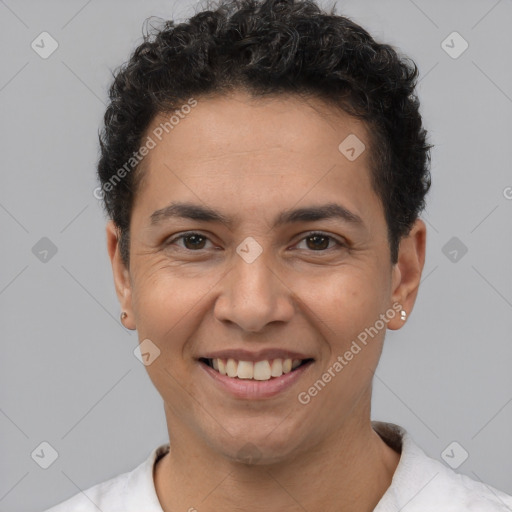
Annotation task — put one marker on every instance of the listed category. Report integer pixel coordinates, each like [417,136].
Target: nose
[253,295]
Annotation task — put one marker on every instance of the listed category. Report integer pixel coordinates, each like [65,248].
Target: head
[249,112]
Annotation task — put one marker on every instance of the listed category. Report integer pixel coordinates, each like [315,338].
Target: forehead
[252,153]
[227,126]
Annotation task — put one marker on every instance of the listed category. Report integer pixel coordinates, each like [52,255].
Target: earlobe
[407,272]
[121,276]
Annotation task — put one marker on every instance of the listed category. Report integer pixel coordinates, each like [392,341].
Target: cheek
[167,291]
[348,307]
[166,309]
[164,305]
[346,299]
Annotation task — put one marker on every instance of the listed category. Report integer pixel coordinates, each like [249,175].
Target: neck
[348,471]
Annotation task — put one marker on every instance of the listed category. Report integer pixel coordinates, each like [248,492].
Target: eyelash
[308,235]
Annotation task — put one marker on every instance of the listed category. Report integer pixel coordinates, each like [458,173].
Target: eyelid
[338,242]
[181,236]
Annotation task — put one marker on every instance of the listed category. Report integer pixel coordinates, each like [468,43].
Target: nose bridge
[252,295]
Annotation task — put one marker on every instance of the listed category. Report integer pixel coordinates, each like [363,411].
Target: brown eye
[194,241]
[319,242]
[191,241]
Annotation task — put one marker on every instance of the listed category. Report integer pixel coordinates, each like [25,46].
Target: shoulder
[131,491]
[421,483]
[103,496]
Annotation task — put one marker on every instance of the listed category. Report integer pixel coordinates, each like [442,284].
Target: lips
[261,370]
[261,355]
[251,388]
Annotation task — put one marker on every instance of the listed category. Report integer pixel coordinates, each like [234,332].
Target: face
[254,238]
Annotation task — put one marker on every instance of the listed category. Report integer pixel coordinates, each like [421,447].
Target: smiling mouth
[259,370]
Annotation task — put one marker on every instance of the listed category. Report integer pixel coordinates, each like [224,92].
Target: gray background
[68,373]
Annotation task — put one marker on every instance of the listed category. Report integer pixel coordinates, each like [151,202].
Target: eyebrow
[206,214]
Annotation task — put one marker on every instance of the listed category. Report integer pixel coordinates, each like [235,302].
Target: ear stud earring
[124,315]
[403,315]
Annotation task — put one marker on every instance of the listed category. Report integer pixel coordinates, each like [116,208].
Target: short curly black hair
[270,47]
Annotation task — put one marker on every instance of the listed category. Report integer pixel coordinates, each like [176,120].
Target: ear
[121,274]
[407,271]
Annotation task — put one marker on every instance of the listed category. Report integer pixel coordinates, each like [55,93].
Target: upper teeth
[260,370]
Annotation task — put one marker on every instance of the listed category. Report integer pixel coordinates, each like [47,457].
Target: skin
[251,159]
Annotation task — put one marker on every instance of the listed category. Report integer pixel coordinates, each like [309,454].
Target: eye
[319,242]
[316,241]
[191,241]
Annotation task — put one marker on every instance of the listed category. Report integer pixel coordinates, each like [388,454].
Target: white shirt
[419,484]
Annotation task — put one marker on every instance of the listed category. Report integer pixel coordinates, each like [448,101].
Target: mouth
[263,370]
[256,380]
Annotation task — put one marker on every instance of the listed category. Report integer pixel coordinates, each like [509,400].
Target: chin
[251,454]
[256,447]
